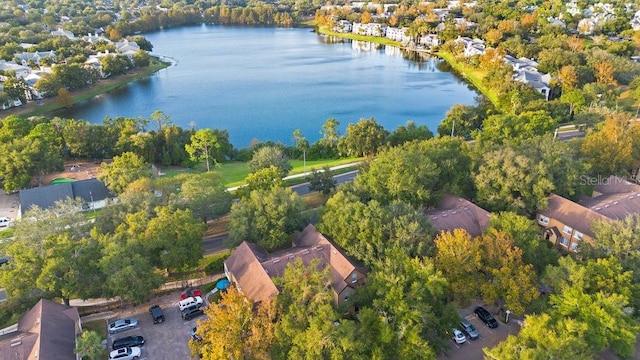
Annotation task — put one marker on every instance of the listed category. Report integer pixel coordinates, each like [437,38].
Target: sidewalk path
[295,176]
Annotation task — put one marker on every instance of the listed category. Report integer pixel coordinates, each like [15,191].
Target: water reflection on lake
[263,83]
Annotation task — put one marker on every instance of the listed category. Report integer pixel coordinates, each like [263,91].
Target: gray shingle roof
[46,196]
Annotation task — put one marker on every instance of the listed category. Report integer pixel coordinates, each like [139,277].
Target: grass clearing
[234,173]
[473,75]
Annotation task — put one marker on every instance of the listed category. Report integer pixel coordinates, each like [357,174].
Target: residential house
[91,38]
[522,63]
[94,61]
[46,332]
[343,26]
[396,34]
[567,223]
[62,32]
[21,71]
[471,46]
[539,81]
[464,24]
[635,21]
[454,212]
[587,26]
[252,269]
[126,47]
[93,193]
[370,29]
[25,57]
[429,40]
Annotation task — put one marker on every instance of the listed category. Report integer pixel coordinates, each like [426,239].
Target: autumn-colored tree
[604,73]
[611,149]
[508,26]
[366,17]
[492,58]
[393,20]
[509,277]
[234,330]
[529,20]
[568,77]
[575,43]
[459,258]
[493,37]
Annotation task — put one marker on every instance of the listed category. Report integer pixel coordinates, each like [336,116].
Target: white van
[183,304]
[5,222]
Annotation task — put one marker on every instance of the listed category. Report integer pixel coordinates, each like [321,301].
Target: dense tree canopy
[267,218]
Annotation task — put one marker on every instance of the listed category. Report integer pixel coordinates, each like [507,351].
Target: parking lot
[163,341]
[472,349]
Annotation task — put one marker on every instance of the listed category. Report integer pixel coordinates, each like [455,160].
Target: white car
[183,304]
[459,337]
[5,222]
[127,353]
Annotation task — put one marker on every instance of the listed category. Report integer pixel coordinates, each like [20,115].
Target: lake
[263,83]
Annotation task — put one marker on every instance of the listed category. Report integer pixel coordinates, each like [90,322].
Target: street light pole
[93,206]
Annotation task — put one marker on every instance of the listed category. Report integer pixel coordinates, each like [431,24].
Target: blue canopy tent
[223,284]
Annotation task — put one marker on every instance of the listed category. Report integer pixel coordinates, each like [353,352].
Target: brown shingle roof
[614,206]
[457,213]
[614,185]
[46,332]
[572,214]
[250,276]
[254,269]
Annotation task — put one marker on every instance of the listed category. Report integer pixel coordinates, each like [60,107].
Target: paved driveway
[164,341]
[472,349]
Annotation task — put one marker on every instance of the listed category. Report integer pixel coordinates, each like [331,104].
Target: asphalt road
[303,189]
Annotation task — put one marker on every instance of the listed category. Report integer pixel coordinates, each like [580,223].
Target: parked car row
[467,330]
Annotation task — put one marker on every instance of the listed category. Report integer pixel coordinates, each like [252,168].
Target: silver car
[122,325]
[469,329]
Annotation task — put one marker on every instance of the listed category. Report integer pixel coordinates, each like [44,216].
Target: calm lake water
[264,83]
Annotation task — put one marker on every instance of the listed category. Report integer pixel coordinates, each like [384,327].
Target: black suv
[486,317]
[128,341]
[156,314]
[191,312]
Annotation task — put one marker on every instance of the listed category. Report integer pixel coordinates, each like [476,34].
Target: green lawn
[234,173]
[474,75]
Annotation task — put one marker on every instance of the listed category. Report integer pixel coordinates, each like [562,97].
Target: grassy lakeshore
[49,104]
[474,76]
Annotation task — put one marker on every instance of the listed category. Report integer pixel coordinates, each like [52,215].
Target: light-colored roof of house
[454,212]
